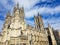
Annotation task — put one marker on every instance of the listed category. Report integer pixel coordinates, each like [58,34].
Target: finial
[8,14]
[38,14]
[17,5]
[34,16]
[14,8]
[48,25]
[22,8]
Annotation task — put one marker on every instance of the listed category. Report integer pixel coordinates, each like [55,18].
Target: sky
[48,9]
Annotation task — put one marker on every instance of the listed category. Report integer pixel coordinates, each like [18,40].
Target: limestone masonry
[16,32]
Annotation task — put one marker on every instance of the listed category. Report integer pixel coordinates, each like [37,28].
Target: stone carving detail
[16,32]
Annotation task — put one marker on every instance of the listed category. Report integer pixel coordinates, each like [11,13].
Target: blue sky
[49,9]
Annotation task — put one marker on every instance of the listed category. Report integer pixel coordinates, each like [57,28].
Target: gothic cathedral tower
[39,22]
[17,18]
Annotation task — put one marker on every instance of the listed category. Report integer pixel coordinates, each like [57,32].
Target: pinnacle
[17,5]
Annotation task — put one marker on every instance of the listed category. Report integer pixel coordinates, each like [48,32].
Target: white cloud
[56,26]
[6,5]
[42,10]
[26,3]
[57,9]
[31,13]
[54,22]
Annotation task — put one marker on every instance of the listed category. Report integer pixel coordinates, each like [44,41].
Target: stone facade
[16,32]
[57,36]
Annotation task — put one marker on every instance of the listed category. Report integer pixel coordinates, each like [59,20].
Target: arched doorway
[49,39]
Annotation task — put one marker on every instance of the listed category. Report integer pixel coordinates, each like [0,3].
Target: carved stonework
[16,32]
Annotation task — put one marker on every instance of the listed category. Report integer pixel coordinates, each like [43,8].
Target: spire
[21,11]
[38,14]
[40,17]
[40,22]
[8,14]
[22,8]
[18,5]
[49,25]
[14,8]
[7,21]
[36,21]
[34,17]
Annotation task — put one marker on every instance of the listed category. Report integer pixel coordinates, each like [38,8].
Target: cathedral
[16,32]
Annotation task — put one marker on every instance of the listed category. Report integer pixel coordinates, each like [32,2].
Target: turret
[21,11]
[7,21]
[15,14]
[36,22]
[41,26]
[6,27]
[18,13]
[16,7]
[53,41]
[39,22]
[17,17]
